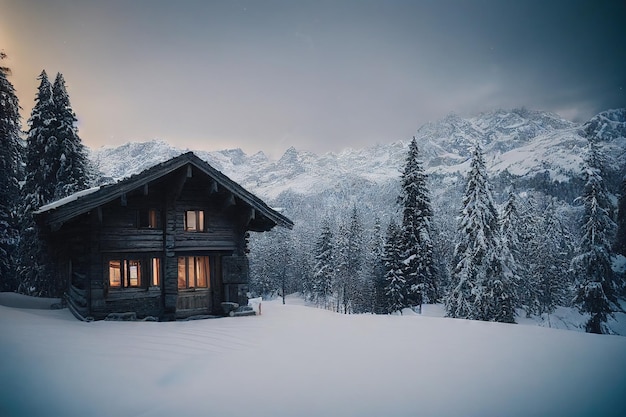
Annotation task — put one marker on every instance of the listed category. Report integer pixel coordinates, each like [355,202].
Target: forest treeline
[533,251]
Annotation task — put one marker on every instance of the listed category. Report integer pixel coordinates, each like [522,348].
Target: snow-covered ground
[294,360]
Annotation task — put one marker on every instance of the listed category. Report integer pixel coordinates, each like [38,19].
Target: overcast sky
[317,75]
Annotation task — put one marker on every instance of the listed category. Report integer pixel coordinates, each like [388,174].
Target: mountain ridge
[520,142]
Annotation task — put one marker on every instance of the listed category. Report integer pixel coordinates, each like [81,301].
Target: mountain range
[532,147]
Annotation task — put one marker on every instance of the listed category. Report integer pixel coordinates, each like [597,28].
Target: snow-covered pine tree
[553,252]
[529,238]
[10,170]
[597,289]
[481,280]
[359,290]
[375,267]
[620,239]
[344,280]
[38,189]
[324,269]
[420,270]
[395,282]
[73,170]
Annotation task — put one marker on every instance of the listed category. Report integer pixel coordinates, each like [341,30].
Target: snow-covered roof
[63,210]
[65,200]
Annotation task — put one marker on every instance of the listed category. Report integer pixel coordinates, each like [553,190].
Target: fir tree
[33,262]
[40,174]
[10,169]
[324,269]
[620,239]
[72,170]
[597,289]
[376,268]
[395,282]
[352,288]
[420,270]
[481,280]
[553,250]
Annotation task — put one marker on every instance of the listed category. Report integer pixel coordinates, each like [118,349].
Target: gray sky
[317,75]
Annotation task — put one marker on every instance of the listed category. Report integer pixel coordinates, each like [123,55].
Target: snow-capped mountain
[523,143]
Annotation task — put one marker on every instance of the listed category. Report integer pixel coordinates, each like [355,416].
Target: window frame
[148,268]
[149,219]
[197,264]
[199,221]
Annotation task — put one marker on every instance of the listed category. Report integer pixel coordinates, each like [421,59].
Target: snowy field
[299,361]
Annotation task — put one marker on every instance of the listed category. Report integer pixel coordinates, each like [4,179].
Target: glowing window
[193,272]
[194,221]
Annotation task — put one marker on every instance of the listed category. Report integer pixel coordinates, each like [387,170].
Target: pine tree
[10,169]
[40,174]
[417,247]
[376,268]
[553,251]
[324,269]
[597,289]
[33,262]
[620,239]
[530,237]
[72,169]
[352,287]
[395,282]
[481,280]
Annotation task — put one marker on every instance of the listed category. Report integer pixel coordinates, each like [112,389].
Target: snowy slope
[521,142]
[300,361]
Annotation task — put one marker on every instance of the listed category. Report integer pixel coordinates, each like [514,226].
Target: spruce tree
[509,235]
[41,178]
[395,282]
[72,169]
[620,239]
[552,261]
[324,269]
[420,270]
[481,279]
[10,170]
[33,262]
[597,290]
[376,268]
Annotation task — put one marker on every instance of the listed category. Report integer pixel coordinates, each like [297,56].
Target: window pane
[115,274]
[182,282]
[202,265]
[191,272]
[156,271]
[153,219]
[200,221]
[190,218]
[134,273]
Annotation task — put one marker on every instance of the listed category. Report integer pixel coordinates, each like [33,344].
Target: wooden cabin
[169,243]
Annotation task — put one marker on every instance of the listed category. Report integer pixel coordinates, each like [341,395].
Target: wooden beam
[212,187]
[249,215]
[189,171]
[229,201]
[123,200]
[145,189]
[99,212]
[178,183]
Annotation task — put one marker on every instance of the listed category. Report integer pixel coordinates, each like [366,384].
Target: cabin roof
[65,209]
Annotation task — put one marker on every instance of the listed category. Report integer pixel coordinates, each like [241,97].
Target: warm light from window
[156,271]
[115,274]
[194,221]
